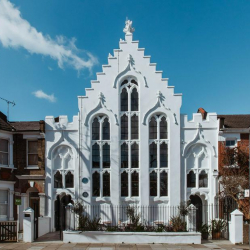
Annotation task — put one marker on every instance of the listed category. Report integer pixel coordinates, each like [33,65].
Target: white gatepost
[236,227]
[28,225]
[191,223]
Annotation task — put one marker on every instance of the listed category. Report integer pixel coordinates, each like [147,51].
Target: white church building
[129,143]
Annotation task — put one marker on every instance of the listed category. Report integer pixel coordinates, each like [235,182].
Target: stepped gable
[128,59]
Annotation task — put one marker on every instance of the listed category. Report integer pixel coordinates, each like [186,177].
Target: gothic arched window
[134,127]
[191,179]
[124,155]
[203,180]
[106,184]
[95,156]
[95,129]
[153,184]
[69,180]
[163,128]
[135,155]
[158,155]
[95,184]
[134,100]
[129,117]
[153,128]
[135,184]
[124,100]
[124,127]
[163,184]
[153,155]
[106,129]
[106,155]
[163,155]
[124,184]
[58,180]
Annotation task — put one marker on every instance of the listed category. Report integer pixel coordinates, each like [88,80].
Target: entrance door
[197,202]
[60,212]
[34,204]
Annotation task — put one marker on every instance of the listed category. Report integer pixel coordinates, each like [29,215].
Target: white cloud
[42,95]
[17,32]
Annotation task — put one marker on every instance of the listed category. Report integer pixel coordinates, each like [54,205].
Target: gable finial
[128,30]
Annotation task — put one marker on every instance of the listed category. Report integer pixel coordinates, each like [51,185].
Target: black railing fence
[212,219]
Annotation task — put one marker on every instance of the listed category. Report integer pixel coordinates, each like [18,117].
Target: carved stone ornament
[100,105]
[159,104]
[198,139]
[128,27]
[130,71]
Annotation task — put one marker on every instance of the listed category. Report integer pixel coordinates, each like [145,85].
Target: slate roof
[18,126]
[235,121]
[26,126]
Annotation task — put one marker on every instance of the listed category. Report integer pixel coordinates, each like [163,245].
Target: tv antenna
[8,103]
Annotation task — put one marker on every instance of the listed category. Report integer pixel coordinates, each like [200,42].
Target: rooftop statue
[128,27]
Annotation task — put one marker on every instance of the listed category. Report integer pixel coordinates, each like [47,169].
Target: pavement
[52,241]
[81,246]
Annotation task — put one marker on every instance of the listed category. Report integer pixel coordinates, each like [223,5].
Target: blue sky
[203,47]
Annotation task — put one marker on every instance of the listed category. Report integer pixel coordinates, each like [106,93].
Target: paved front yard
[74,246]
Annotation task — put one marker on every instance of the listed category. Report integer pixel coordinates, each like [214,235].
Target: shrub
[178,224]
[218,225]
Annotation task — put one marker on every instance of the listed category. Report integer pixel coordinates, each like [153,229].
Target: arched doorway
[197,202]
[61,203]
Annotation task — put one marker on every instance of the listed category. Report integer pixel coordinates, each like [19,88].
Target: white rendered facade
[186,145]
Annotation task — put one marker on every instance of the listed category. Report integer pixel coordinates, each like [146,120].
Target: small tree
[233,176]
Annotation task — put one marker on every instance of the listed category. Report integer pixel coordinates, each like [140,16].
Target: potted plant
[205,229]
[217,226]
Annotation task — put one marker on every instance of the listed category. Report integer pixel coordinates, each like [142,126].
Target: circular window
[85,194]
[85,180]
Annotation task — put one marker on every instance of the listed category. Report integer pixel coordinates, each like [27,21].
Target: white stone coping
[132,237]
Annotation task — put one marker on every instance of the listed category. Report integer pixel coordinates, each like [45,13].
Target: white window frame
[231,139]
[27,154]
[8,140]
[7,204]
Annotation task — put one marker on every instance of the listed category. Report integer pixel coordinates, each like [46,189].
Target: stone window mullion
[101,184]
[158,154]
[158,183]
[63,178]
[129,184]
[101,124]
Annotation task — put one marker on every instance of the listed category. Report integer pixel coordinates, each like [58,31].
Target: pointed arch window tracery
[63,171]
[198,164]
[101,157]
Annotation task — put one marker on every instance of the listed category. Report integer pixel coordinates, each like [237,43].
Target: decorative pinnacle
[128,30]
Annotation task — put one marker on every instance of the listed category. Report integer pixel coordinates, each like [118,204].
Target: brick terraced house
[22,169]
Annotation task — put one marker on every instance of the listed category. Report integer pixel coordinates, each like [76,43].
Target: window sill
[159,199]
[32,167]
[130,199]
[102,199]
[7,166]
[200,188]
